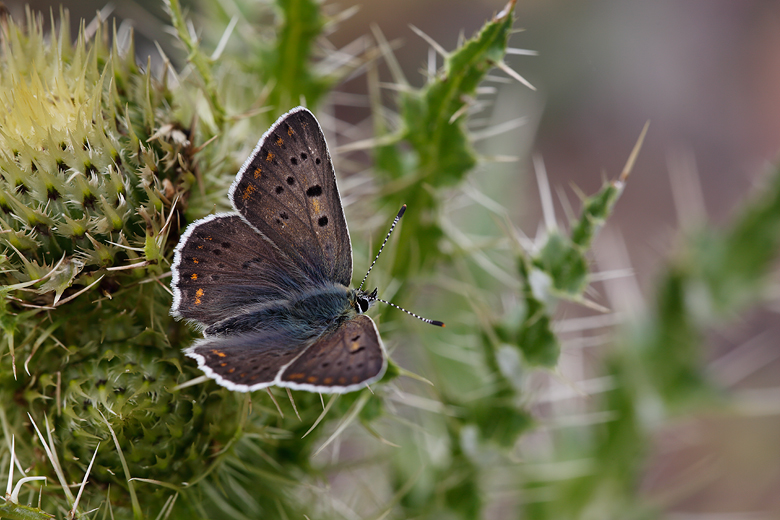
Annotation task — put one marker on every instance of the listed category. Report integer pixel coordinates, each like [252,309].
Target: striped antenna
[372,295]
[426,320]
[395,221]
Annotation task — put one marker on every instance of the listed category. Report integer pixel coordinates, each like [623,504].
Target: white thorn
[438,48]
[544,194]
[501,128]
[522,52]
[508,70]
[15,495]
[224,40]
[83,483]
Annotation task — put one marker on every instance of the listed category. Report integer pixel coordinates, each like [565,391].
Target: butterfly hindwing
[246,362]
[223,267]
[287,190]
[344,360]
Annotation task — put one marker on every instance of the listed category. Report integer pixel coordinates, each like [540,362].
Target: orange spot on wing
[248,192]
[194,260]
[342,380]
[258,172]
[279,141]
[290,131]
[270,156]
[198,295]
[327,380]
[217,352]
[223,364]
[354,346]
[297,376]
[316,205]
[194,276]
[242,375]
[312,379]
[231,370]
[355,379]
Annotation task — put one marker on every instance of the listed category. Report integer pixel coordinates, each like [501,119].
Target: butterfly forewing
[344,360]
[224,267]
[287,190]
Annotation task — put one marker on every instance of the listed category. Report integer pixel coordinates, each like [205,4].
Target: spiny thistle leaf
[21,512]
[288,64]
[734,262]
[560,270]
[657,371]
[441,153]
[719,275]
[565,263]
[535,337]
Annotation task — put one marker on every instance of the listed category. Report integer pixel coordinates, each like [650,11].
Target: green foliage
[560,270]
[733,265]
[287,65]
[657,369]
[14,511]
[720,273]
[432,148]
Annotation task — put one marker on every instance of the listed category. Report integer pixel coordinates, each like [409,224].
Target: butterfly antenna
[395,221]
[410,313]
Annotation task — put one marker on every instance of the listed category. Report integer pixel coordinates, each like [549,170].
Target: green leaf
[434,149]
[535,337]
[734,263]
[287,64]
[19,512]
[500,423]
[565,263]
[595,210]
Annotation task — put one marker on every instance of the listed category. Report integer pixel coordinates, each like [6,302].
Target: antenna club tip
[437,323]
[401,212]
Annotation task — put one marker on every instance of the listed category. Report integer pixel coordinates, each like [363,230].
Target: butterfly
[269,285]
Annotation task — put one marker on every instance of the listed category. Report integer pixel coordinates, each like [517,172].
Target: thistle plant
[104,163]
[94,160]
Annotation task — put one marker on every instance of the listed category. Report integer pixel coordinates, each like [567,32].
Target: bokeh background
[706,74]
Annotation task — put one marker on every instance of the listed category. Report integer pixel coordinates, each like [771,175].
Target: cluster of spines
[75,173]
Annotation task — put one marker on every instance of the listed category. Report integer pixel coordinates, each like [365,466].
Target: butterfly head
[362,300]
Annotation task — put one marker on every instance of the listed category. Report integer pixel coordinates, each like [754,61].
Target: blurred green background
[707,76]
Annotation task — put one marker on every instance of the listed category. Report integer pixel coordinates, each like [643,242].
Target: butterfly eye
[363,305]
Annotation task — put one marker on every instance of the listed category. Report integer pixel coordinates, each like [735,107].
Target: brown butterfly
[269,284]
